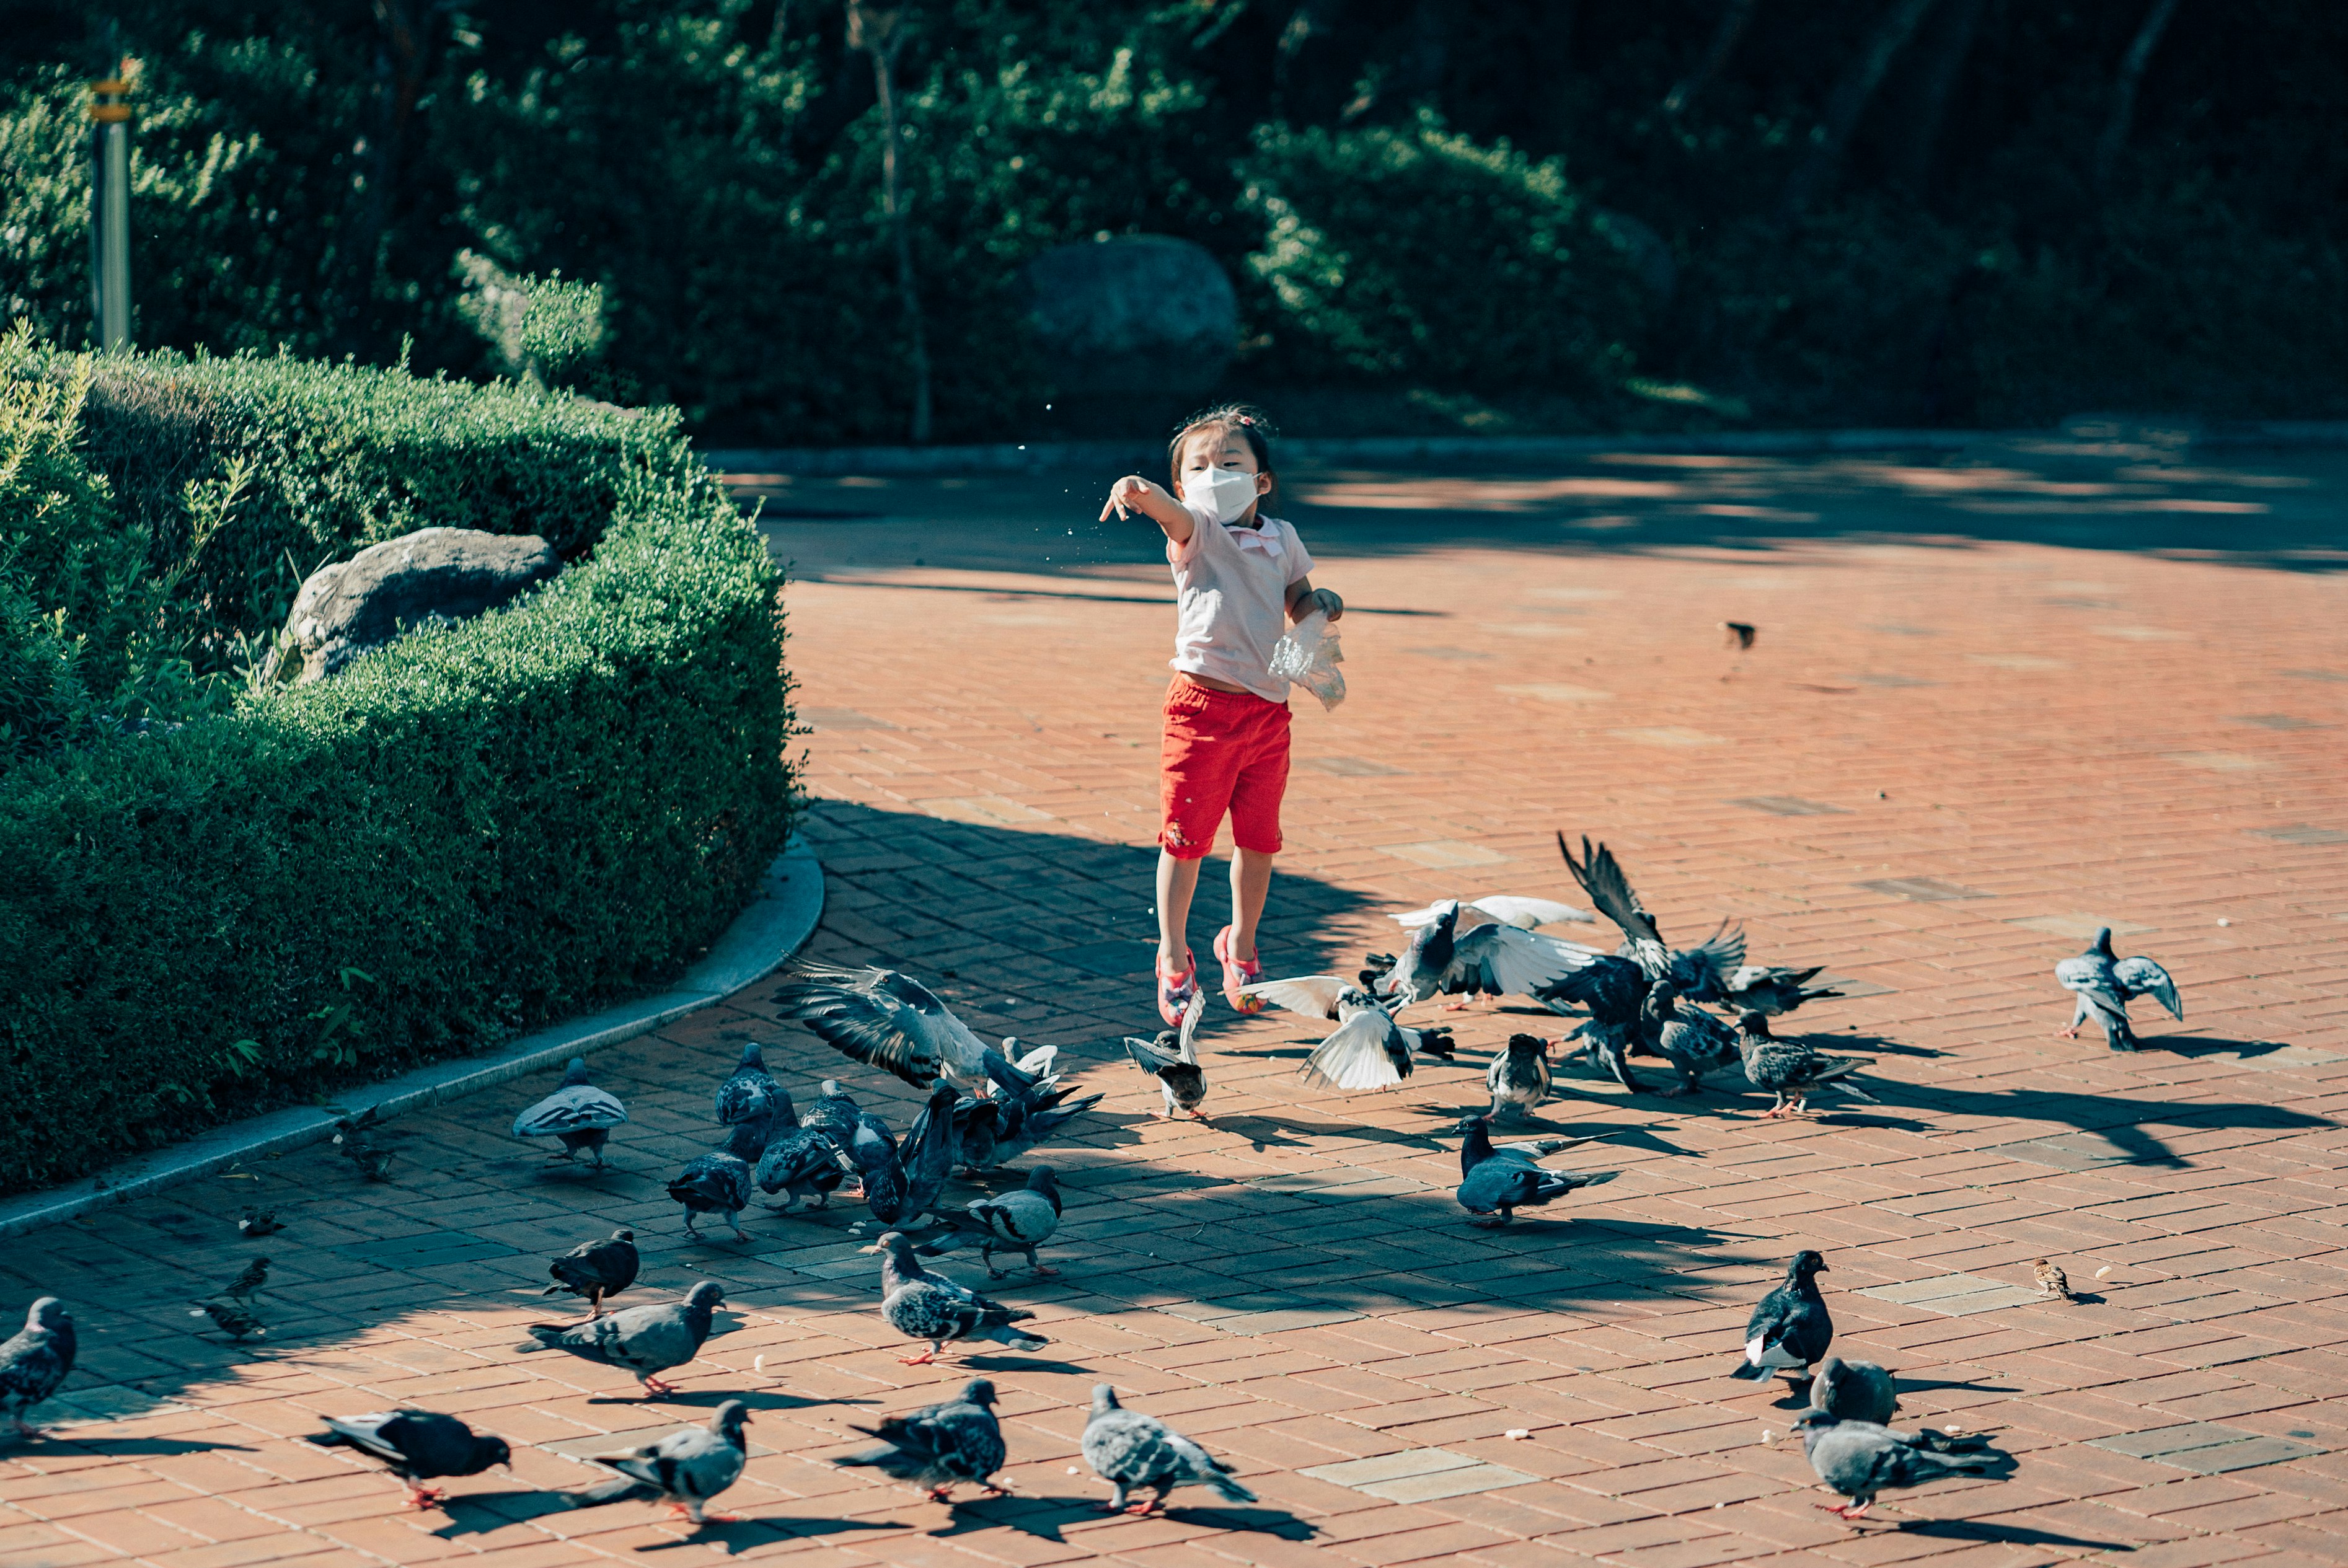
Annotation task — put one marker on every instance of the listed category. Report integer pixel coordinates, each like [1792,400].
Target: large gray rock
[432,574]
[1139,313]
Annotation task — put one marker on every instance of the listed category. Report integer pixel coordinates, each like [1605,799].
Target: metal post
[109,113]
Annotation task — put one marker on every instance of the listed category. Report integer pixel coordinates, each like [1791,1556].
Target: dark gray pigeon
[750,1089]
[685,1469]
[1772,991]
[1504,1179]
[644,1341]
[35,1361]
[1792,1070]
[1018,1221]
[834,1114]
[595,1269]
[1693,1042]
[938,1446]
[720,1182]
[1612,991]
[977,1123]
[879,1174]
[416,1446]
[923,1306]
[1173,1059]
[1130,1450]
[1518,1078]
[1700,973]
[2106,984]
[929,1150]
[1859,1459]
[578,1115]
[1790,1330]
[805,1163]
[890,1021]
[1854,1391]
[1027,1122]
[234,1319]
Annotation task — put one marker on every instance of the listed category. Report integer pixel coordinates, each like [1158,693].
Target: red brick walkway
[1971,730]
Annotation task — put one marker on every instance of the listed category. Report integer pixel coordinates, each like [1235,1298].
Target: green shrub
[478,829]
[1415,254]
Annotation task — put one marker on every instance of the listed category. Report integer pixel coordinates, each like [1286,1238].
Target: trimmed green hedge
[482,828]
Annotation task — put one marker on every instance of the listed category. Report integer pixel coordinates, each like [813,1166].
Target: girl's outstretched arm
[1304,598]
[1133,493]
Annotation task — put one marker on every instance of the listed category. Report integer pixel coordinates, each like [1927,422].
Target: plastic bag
[1309,655]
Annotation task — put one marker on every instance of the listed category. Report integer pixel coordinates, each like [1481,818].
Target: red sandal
[1238,976]
[1175,991]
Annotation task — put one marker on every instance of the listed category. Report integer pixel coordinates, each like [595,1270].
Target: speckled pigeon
[685,1469]
[720,1182]
[578,1115]
[644,1341]
[1793,1069]
[1519,1077]
[35,1359]
[1790,1330]
[595,1269]
[1173,1059]
[939,1446]
[923,1306]
[804,1163]
[2106,984]
[1693,1041]
[1771,992]
[1129,1451]
[1860,1458]
[750,1089]
[1501,1180]
[834,1114]
[416,1446]
[1018,1221]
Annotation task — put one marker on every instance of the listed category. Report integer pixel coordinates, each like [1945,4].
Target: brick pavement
[1970,729]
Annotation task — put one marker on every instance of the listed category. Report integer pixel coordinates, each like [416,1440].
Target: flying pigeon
[1700,974]
[923,1306]
[644,1341]
[1792,1070]
[578,1115]
[595,1269]
[1130,1450]
[1367,1049]
[1519,1077]
[2105,985]
[1018,1221]
[685,1470]
[1789,1331]
[237,1322]
[1772,991]
[255,1275]
[804,1163]
[1859,1459]
[1854,1391]
[1693,1042]
[1525,914]
[416,1446]
[1492,959]
[1505,1179]
[889,1020]
[939,1446]
[750,1089]
[259,1223]
[719,1182]
[35,1361]
[1173,1059]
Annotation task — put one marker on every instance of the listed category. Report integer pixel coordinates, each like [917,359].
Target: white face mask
[1226,492]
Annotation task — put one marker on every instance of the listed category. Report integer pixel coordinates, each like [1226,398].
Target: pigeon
[2051,1281]
[933,1146]
[750,1089]
[1791,1070]
[254,1275]
[1367,1049]
[939,1446]
[1128,1449]
[351,1141]
[923,1306]
[976,1123]
[1505,1179]
[1789,1331]
[1525,914]
[804,1163]
[889,1020]
[35,1361]
[1018,1221]
[2105,985]
[1859,1459]
[237,1322]
[595,1269]
[1027,1122]
[1693,1042]
[1700,973]
[833,1114]
[1173,1059]
[719,1183]
[1613,992]
[685,1470]
[880,1174]
[644,1341]
[1492,959]
[416,1446]
[1519,1077]
[1771,992]
[1854,1391]
[259,1223]
[578,1115]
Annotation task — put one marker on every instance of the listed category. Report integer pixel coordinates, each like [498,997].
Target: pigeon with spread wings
[1700,974]
[1525,914]
[1367,1049]
[2106,984]
[889,1020]
[1492,959]
[1173,1059]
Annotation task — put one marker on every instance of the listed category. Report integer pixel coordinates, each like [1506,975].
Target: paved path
[1976,723]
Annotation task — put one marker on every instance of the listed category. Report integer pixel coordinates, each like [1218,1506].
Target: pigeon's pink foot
[424,1496]
[1045,1270]
[2072,1032]
[1144,1510]
[1843,1510]
[1110,1508]
[924,1359]
[1196,1116]
[941,1493]
[658,1386]
[1455,1007]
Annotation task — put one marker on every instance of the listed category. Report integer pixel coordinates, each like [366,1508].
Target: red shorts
[1223,751]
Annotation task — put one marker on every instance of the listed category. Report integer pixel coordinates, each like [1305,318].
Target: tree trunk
[2131,75]
[1818,172]
[1723,43]
[881,34]
[407,52]
[1951,41]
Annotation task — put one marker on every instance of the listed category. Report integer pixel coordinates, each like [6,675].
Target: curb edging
[762,938]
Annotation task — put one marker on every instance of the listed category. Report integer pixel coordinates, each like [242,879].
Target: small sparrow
[263,1223]
[232,1320]
[255,1275]
[2051,1281]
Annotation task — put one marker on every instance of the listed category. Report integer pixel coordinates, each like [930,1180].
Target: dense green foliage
[1992,239]
[481,828]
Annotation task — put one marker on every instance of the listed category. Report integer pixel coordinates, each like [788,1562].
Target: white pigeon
[1491,959]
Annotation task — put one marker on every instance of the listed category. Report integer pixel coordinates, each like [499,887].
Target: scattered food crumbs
[1072,1469]
[2224,922]
[1520,1433]
[1768,1436]
[2103,1271]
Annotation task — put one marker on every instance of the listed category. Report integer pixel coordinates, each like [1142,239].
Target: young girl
[1242,577]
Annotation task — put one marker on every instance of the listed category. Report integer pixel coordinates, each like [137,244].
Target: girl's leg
[1177,881]
[1251,884]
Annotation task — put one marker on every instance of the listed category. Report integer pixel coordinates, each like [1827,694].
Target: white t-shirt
[1234,584]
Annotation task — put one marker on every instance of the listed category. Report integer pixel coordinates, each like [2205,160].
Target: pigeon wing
[579,1109]
[1306,996]
[1601,876]
[1525,913]
[876,1016]
[1355,1058]
[1506,960]
[1187,1040]
[2141,977]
